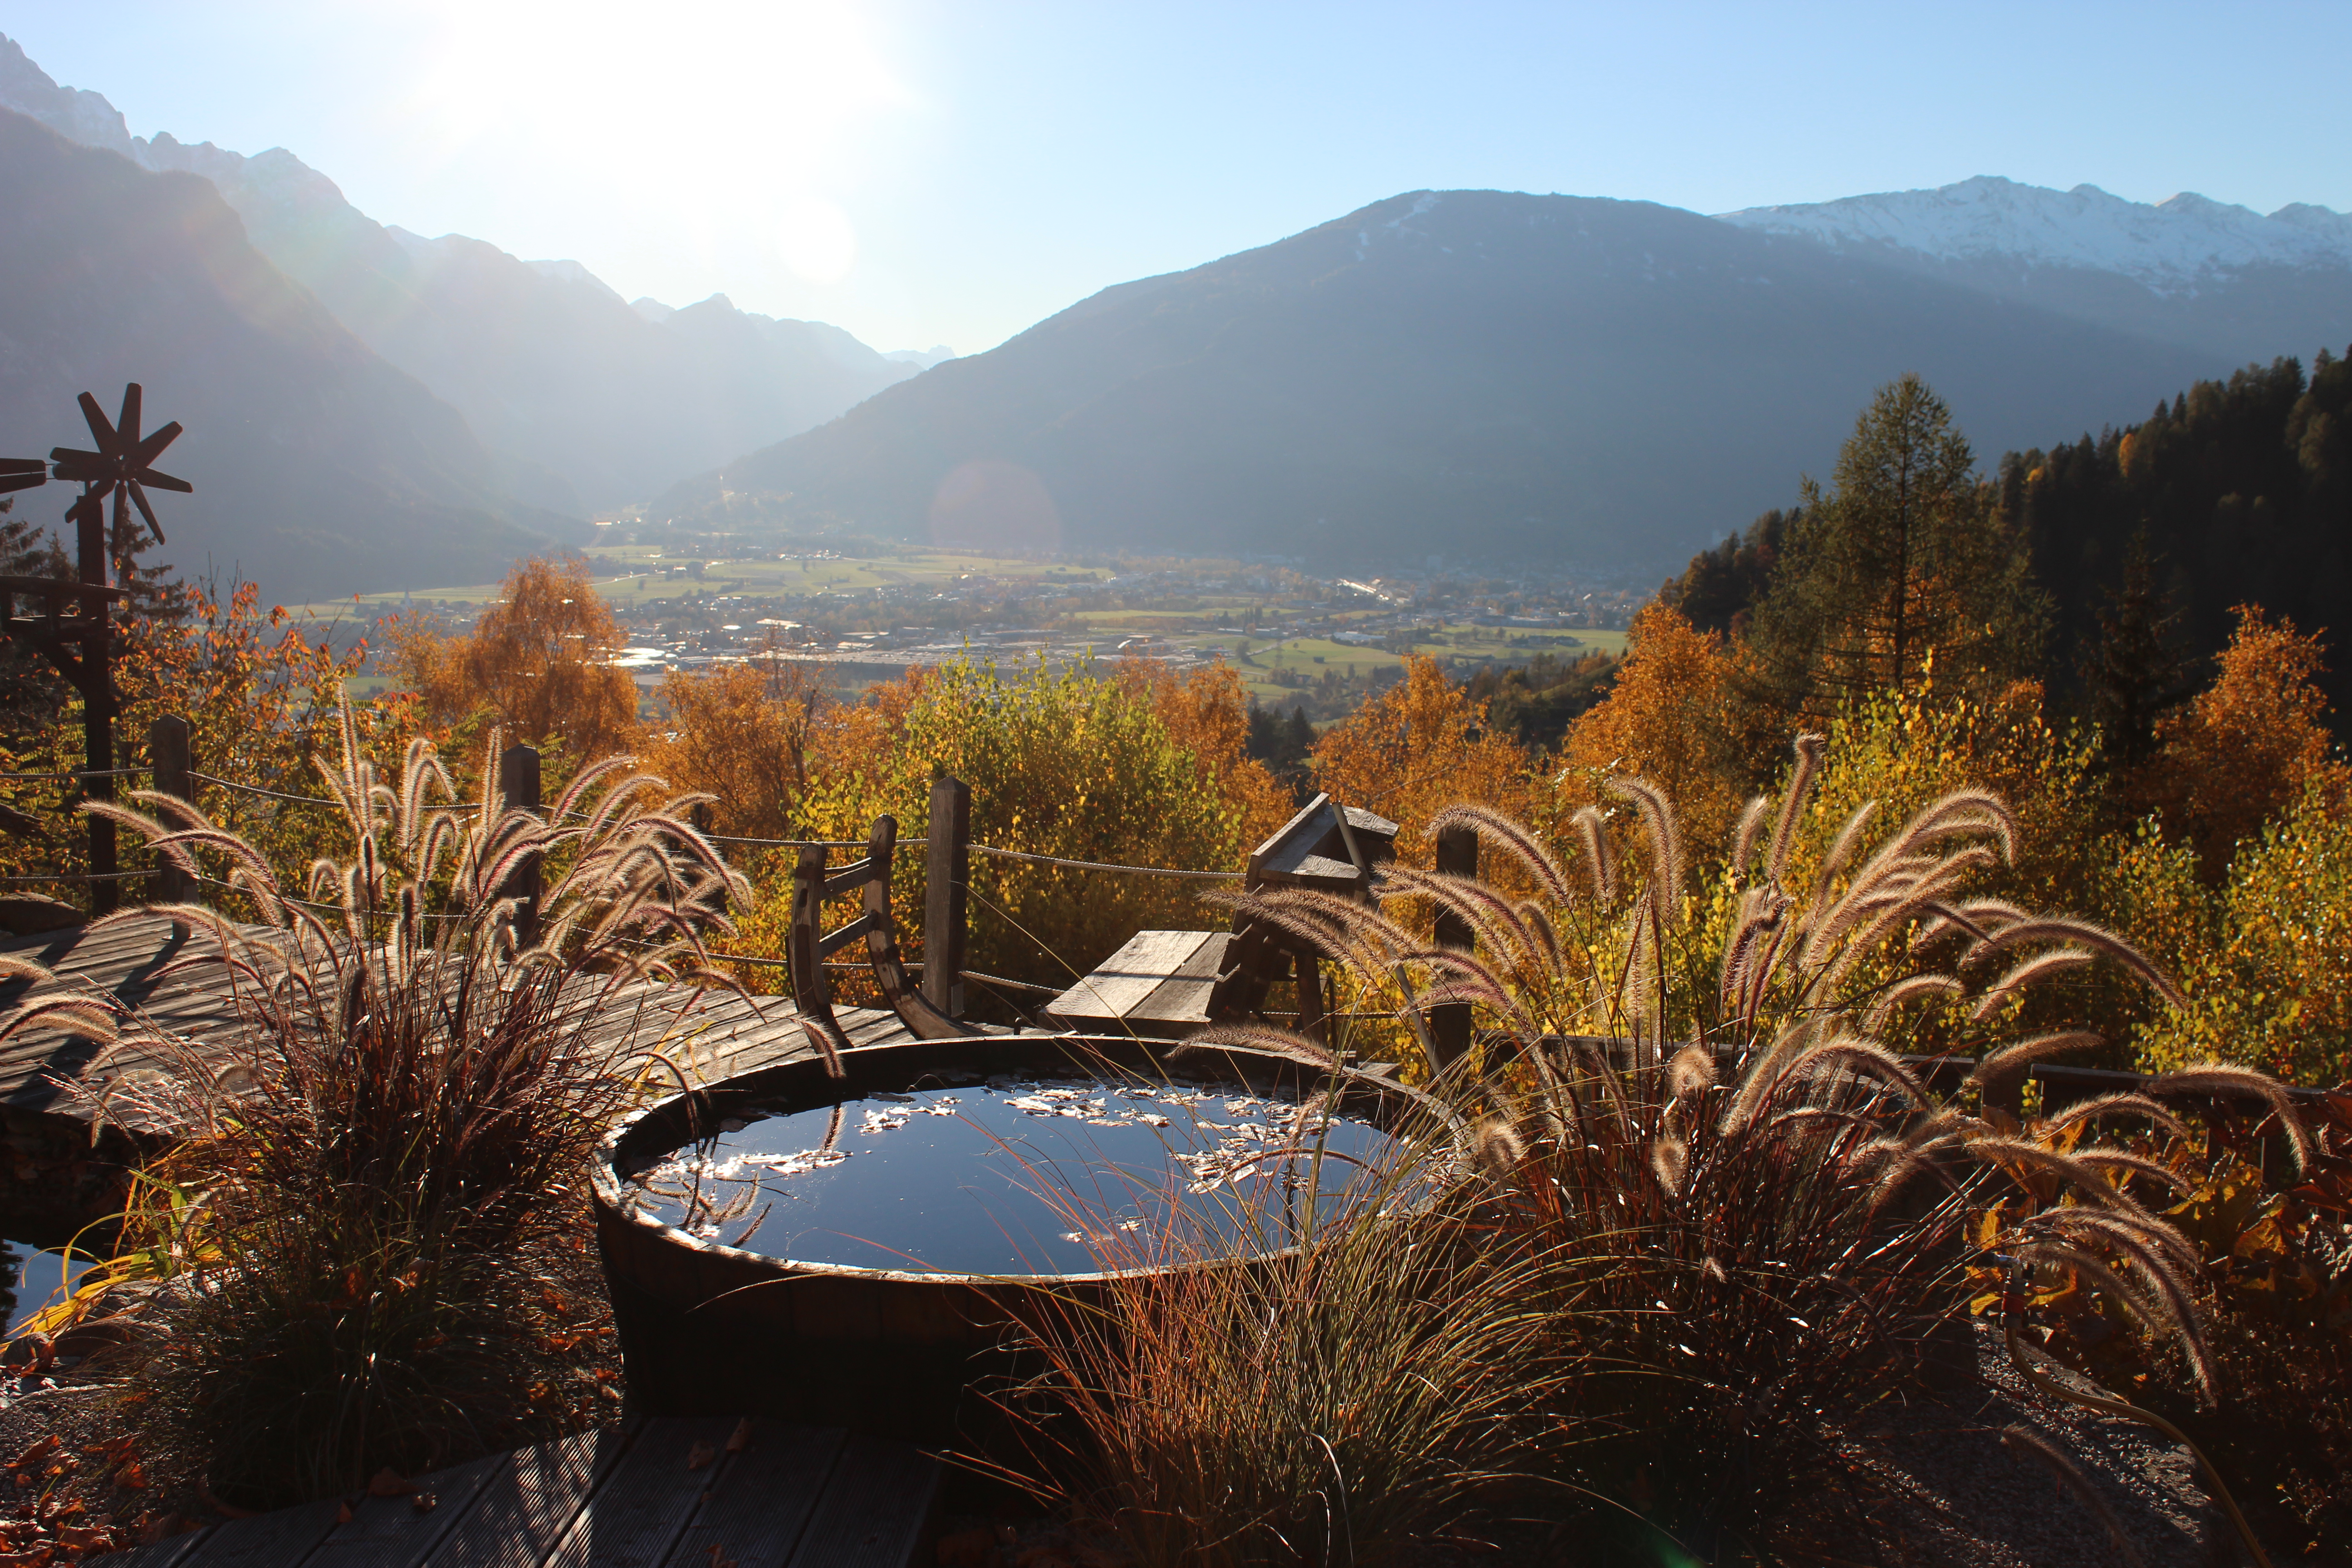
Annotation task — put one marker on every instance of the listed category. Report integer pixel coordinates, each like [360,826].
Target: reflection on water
[1011,1176]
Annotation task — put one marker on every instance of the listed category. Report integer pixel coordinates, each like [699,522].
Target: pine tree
[1907,561]
[32,694]
[2135,671]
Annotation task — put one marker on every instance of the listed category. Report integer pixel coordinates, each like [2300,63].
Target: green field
[639,580]
[1257,655]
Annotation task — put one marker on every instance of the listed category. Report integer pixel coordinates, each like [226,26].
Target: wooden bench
[1168,984]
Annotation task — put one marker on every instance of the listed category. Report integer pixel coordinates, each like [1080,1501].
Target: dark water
[30,1279]
[1057,1176]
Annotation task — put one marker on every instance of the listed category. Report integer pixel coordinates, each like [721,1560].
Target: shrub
[370,1183]
[1061,763]
[2265,968]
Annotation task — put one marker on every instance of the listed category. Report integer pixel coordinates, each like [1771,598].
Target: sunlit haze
[923,173]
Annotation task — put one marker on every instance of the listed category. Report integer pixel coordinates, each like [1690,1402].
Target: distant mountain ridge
[317,467]
[2189,269]
[589,403]
[1473,373]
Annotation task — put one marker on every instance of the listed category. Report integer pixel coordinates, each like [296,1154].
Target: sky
[925,173]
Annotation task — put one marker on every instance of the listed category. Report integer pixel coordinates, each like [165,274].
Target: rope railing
[77,774]
[1106,865]
[75,877]
[256,789]
[1112,865]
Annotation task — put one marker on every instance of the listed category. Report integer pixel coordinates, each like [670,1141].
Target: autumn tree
[746,733]
[2248,746]
[1418,747]
[537,663]
[1676,717]
[1904,563]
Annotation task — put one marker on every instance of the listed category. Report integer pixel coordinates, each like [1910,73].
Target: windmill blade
[150,449]
[126,429]
[86,465]
[99,427]
[165,482]
[139,498]
[21,481]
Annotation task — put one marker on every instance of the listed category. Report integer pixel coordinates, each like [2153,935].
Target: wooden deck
[793,1497]
[54,1178]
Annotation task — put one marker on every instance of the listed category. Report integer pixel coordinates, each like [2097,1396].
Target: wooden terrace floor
[793,1497]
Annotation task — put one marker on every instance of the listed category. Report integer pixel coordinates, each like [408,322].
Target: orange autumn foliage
[537,663]
[1676,717]
[2248,746]
[1418,747]
[747,733]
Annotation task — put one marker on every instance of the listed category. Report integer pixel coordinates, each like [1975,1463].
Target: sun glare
[760,111]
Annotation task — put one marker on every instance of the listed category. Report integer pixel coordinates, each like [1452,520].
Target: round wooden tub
[707,1329]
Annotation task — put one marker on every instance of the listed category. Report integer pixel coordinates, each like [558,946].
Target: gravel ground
[1957,1494]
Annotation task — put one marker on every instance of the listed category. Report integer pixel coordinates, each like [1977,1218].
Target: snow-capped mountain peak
[2167,245]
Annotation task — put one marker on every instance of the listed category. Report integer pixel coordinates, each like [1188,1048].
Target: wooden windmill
[73,628]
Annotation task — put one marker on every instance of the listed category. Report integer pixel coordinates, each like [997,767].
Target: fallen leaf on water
[131,1477]
[344,1514]
[424,1502]
[389,1482]
[32,1558]
[741,1438]
[86,1538]
[719,1558]
[700,1454]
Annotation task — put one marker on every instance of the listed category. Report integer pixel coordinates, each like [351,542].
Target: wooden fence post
[947,873]
[170,760]
[519,786]
[1449,1022]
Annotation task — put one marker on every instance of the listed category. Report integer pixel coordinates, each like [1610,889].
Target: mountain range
[587,403]
[1478,375]
[1500,377]
[317,467]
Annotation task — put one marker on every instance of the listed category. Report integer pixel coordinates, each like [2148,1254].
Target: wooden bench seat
[1160,983]
[1167,984]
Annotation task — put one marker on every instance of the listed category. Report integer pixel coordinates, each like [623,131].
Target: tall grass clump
[371,1173]
[1338,1392]
[1752,1215]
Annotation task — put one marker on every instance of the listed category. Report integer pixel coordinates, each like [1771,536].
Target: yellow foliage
[1062,764]
[2268,968]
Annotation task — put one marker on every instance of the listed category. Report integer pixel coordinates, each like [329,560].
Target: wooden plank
[1127,978]
[1183,996]
[639,1511]
[165,1553]
[392,1532]
[530,1504]
[760,1507]
[877,1509]
[279,1539]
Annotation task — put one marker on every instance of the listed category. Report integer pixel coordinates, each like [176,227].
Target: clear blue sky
[925,173]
